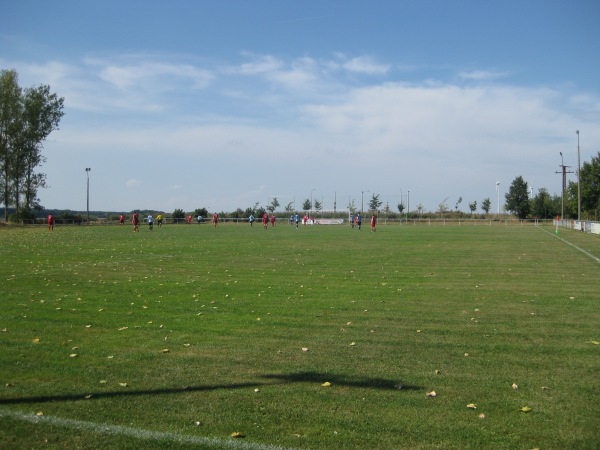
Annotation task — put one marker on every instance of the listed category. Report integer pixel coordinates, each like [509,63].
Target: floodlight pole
[498,197]
[362,201]
[311,203]
[87,171]
[578,178]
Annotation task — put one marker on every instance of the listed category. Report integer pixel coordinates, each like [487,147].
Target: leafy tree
[458,202]
[473,206]
[420,209]
[443,206]
[375,203]
[401,207]
[10,102]
[542,205]
[590,185]
[386,209]
[202,212]
[352,207]
[517,198]
[178,214]
[318,205]
[260,211]
[26,120]
[289,207]
[486,205]
[306,205]
[274,204]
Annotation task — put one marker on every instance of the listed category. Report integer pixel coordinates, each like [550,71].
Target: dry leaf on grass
[237,434]
[526,409]
[326,384]
[472,406]
[431,394]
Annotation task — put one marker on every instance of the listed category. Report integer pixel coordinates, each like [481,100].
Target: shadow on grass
[300,377]
[340,380]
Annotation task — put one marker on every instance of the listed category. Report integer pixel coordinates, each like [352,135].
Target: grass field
[179,337]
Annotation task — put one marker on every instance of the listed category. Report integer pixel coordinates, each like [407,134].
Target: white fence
[580,225]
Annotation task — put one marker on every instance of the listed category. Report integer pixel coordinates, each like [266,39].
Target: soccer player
[373,223]
[50,222]
[136,222]
[215,219]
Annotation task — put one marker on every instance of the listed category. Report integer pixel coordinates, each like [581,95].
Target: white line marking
[574,246]
[118,430]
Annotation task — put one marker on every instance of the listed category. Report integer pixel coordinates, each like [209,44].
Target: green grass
[235,306]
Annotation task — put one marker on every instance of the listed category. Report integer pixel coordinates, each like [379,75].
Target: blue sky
[223,104]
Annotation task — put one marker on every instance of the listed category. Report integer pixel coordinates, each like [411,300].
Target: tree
[26,120]
[458,202]
[473,206]
[486,205]
[401,207]
[289,207]
[178,214]
[318,205]
[386,209]
[306,206]
[351,207]
[420,209]
[542,205]
[590,185]
[202,212]
[10,99]
[443,207]
[517,198]
[375,203]
[274,204]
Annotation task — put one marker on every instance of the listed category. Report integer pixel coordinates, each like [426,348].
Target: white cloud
[133,183]
[482,75]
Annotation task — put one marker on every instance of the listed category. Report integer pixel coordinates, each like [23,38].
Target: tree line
[27,117]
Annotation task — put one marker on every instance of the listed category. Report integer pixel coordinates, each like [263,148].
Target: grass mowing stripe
[575,247]
[210,442]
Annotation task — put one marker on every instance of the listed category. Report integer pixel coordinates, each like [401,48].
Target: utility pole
[564,183]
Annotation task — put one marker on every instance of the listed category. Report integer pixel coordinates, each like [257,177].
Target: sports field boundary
[149,435]
[574,246]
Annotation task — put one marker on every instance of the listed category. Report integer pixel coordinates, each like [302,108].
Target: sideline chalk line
[118,430]
[574,246]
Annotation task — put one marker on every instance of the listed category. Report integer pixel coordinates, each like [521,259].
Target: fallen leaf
[197,423]
[237,434]
[88,396]
[73,355]
[352,344]
[123,328]
[39,413]
[596,342]
[326,384]
[526,409]
[123,384]
[515,386]
[35,340]
[438,372]
[304,349]
[481,416]
[165,350]
[398,386]
[472,406]
[431,394]
[103,381]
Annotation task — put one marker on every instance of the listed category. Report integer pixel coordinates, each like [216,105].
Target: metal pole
[87,171]
[498,197]
[578,178]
